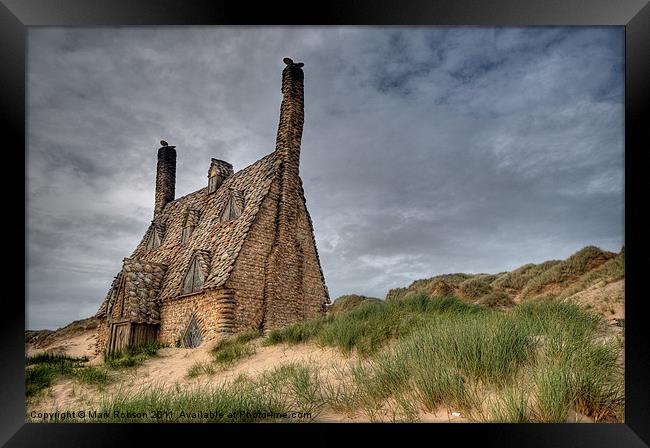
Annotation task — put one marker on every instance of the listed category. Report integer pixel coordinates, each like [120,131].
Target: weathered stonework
[218,172]
[258,265]
[165,178]
[102,337]
[248,277]
[204,306]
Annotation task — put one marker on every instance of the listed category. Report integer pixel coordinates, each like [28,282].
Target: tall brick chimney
[165,177]
[286,260]
[292,115]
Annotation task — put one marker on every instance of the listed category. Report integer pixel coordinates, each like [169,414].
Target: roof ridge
[142,260]
[224,182]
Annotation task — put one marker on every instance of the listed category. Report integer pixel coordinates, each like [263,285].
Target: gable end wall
[313,288]
[248,276]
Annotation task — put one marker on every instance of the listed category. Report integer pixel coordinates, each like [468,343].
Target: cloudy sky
[426,150]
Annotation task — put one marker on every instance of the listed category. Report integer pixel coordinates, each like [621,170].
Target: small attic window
[154,239]
[234,206]
[186,232]
[219,171]
[193,281]
[191,220]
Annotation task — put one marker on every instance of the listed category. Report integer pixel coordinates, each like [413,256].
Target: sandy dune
[169,370]
[79,346]
[607,300]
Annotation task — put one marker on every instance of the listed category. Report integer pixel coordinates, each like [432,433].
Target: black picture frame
[17,15]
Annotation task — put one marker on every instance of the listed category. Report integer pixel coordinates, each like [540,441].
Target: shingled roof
[193,217]
[142,280]
[114,285]
[220,240]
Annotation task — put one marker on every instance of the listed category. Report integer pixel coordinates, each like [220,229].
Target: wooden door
[120,333]
[193,336]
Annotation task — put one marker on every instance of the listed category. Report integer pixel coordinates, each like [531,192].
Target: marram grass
[538,362]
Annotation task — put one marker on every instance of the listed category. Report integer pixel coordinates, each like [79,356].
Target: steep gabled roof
[221,240]
[104,306]
[141,281]
[209,226]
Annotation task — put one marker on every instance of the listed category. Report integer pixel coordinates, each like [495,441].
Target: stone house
[235,255]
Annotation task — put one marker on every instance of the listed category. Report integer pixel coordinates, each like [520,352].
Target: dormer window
[185,234]
[218,172]
[155,237]
[234,206]
[193,278]
[189,223]
[196,273]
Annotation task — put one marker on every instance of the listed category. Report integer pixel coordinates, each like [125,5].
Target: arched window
[155,237]
[190,222]
[193,336]
[234,206]
[193,281]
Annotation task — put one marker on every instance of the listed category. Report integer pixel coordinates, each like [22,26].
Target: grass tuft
[512,406]
[200,368]
[552,393]
[231,349]
[370,326]
[43,369]
[287,393]
[133,355]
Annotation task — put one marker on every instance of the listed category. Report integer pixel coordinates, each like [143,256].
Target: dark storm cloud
[425,150]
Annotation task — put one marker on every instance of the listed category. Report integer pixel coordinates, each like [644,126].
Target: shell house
[235,255]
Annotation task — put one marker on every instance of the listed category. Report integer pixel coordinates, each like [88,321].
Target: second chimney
[218,172]
[165,177]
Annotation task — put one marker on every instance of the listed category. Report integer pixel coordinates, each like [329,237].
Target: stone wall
[175,315]
[142,281]
[284,294]
[249,273]
[102,337]
[295,289]
[315,295]
[284,297]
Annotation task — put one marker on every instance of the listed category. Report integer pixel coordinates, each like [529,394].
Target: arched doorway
[193,336]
